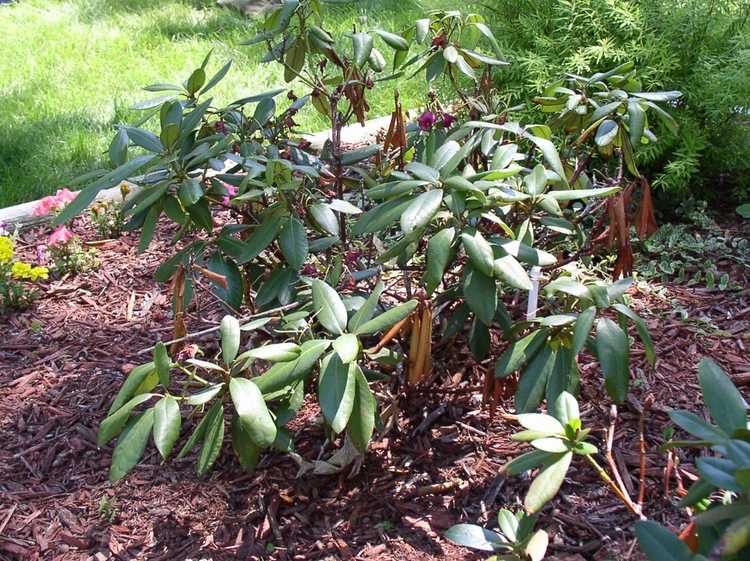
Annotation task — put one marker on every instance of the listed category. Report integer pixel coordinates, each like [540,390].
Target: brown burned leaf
[178,296]
[645,222]
[619,233]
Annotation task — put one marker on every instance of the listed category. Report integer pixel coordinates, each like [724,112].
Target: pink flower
[60,236]
[426,120]
[65,196]
[44,206]
[448,120]
[54,202]
[231,192]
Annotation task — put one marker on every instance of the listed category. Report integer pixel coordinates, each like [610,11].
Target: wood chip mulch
[62,362]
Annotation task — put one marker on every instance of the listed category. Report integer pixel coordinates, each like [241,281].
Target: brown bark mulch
[62,362]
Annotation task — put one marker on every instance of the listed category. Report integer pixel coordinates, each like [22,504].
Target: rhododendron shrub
[466,214]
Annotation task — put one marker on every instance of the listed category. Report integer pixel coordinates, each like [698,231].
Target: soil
[62,361]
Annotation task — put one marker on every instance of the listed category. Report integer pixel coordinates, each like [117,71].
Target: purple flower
[426,120]
[448,120]
[310,270]
[41,254]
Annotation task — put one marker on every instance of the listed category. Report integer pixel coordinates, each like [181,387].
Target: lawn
[71,69]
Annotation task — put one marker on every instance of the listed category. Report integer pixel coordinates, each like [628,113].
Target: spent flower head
[426,120]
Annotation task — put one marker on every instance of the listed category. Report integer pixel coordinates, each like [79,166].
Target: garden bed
[62,362]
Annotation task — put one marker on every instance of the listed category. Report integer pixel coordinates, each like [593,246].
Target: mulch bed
[62,362]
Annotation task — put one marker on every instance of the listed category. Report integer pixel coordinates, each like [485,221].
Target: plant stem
[642,449]
[216,328]
[580,167]
[608,480]
[336,125]
[192,375]
[610,456]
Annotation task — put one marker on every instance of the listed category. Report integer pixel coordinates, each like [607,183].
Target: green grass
[72,68]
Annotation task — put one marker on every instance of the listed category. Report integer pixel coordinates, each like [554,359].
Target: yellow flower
[21,270]
[6,249]
[39,273]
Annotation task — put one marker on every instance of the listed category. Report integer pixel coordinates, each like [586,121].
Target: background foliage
[699,47]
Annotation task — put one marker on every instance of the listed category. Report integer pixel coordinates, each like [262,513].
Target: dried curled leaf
[645,221]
